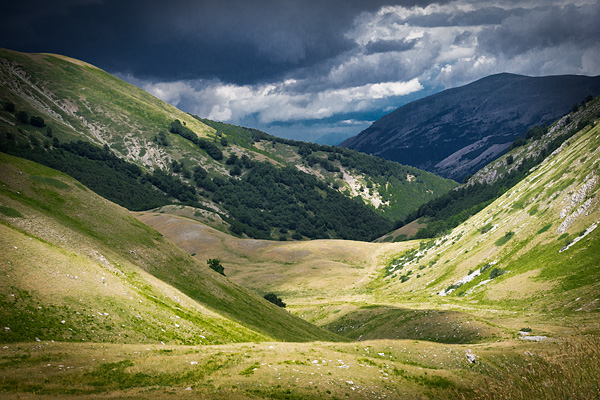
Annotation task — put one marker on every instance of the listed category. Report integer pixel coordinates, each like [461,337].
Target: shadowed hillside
[456,132]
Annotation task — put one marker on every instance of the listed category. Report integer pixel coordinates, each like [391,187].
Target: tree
[215,264]
[37,121]
[510,159]
[233,159]
[224,142]
[235,171]
[273,298]
[161,139]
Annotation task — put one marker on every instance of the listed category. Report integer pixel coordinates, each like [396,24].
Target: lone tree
[37,121]
[273,298]
[216,265]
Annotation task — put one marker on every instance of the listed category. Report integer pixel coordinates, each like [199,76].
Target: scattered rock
[470,357]
[534,338]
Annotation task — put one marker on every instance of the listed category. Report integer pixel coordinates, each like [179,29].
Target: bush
[544,228]
[36,121]
[496,272]
[235,171]
[488,227]
[273,298]
[507,236]
[215,264]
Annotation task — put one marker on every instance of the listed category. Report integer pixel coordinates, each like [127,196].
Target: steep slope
[79,268]
[192,161]
[534,251]
[456,132]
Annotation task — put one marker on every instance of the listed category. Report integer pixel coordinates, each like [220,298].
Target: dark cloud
[463,38]
[305,65]
[543,29]
[385,46]
[235,40]
[477,17]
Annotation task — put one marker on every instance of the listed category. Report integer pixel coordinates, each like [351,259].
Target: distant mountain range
[456,132]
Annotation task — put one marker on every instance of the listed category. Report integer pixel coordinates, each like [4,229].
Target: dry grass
[570,371]
[303,272]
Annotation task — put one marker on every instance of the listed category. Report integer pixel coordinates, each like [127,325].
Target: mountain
[142,153]
[524,154]
[110,278]
[458,131]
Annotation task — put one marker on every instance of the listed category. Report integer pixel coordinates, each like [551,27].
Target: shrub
[36,121]
[215,264]
[486,228]
[10,212]
[507,236]
[22,117]
[496,272]
[544,229]
[9,106]
[273,298]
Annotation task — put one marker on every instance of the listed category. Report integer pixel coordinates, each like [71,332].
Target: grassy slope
[81,101]
[56,244]
[366,369]
[540,284]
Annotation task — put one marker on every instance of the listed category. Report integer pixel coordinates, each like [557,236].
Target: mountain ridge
[175,157]
[456,132]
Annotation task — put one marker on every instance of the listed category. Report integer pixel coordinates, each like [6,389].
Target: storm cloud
[305,68]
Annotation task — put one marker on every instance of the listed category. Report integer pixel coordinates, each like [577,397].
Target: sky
[315,70]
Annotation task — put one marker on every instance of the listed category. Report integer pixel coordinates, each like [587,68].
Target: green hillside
[506,258]
[50,103]
[79,268]
[514,287]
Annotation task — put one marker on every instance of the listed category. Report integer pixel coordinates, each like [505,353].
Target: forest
[265,203]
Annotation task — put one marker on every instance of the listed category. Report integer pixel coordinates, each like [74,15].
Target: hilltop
[142,153]
[458,131]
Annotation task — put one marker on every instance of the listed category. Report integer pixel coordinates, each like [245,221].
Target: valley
[102,299]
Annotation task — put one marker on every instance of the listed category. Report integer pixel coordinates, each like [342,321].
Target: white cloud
[274,102]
